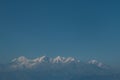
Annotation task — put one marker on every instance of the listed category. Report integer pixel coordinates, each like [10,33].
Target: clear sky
[86,29]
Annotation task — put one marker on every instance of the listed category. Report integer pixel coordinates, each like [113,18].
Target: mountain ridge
[57,68]
[30,63]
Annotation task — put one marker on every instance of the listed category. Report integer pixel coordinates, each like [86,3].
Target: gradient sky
[86,29]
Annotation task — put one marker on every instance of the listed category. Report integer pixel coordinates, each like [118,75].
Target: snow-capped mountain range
[22,61]
[56,68]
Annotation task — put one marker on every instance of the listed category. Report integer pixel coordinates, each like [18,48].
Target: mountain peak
[97,63]
[58,59]
[42,59]
[20,59]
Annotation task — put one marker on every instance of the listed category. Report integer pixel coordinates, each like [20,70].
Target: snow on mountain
[46,59]
[60,59]
[46,68]
[43,59]
[71,59]
[23,62]
[97,63]
[20,59]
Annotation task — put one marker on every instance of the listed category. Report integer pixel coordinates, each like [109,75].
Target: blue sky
[85,29]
